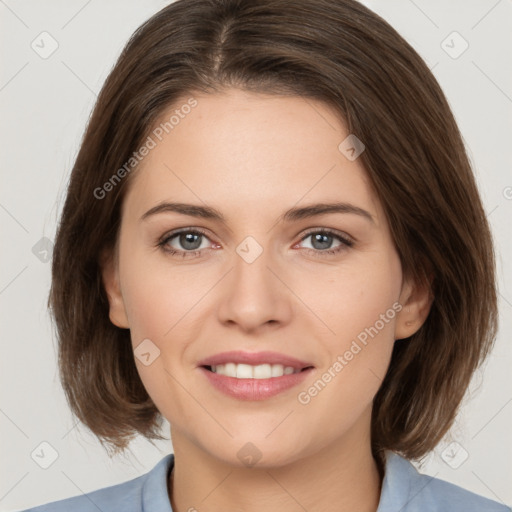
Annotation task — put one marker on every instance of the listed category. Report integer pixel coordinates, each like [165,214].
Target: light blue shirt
[404,489]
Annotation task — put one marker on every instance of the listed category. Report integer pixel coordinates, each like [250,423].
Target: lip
[254,389]
[254,359]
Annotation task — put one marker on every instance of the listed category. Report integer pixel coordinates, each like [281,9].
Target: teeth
[262,371]
[247,371]
[244,371]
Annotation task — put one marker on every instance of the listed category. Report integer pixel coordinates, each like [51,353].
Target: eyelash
[345,242]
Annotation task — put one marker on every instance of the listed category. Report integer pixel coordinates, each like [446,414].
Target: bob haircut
[343,54]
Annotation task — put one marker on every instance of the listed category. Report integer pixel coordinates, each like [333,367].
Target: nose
[254,294]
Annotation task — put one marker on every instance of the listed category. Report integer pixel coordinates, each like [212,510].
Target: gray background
[45,103]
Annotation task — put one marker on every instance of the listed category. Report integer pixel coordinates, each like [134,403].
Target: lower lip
[255,389]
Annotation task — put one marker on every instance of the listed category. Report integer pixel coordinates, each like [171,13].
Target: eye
[186,242]
[322,242]
[189,242]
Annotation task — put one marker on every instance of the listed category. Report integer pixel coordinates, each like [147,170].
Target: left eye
[323,240]
[187,240]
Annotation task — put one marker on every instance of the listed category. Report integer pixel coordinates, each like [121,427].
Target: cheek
[158,295]
[351,300]
[358,307]
[159,301]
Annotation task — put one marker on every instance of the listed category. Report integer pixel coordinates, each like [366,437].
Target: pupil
[188,238]
[321,239]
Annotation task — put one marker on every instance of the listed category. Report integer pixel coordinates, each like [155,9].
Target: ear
[110,278]
[416,300]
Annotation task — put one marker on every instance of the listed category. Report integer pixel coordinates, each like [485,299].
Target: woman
[272,237]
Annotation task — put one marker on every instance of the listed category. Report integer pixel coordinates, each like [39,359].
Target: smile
[254,375]
[247,371]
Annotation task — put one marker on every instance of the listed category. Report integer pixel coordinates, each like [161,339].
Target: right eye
[185,242]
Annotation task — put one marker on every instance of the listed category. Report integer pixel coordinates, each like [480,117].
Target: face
[255,270]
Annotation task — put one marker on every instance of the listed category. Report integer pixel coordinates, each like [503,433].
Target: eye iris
[323,239]
[190,238]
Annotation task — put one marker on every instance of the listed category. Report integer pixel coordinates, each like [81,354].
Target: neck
[342,476]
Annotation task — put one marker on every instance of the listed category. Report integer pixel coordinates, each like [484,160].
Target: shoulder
[407,490]
[137,495]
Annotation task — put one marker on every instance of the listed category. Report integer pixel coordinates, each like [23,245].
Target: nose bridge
[252,279]
[253,294]
[252,262]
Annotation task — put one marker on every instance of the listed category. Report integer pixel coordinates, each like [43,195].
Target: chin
[260,453]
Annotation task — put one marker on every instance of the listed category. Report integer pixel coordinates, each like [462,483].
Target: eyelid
[189,229]
[204,232]
[341,234]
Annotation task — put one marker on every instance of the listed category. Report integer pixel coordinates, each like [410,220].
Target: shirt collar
[402,483]
[154,491]
[399,486]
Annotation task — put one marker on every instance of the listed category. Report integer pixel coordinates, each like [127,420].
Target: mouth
[247,371]
[254,376]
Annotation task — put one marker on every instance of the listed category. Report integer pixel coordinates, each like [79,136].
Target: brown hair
[343,54]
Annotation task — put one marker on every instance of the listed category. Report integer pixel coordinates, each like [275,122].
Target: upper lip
[254,358]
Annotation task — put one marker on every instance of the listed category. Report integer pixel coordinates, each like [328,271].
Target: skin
[252,157]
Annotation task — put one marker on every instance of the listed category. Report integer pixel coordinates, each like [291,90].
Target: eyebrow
[294,214]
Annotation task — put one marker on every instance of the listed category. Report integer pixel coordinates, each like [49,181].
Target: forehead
[249,152]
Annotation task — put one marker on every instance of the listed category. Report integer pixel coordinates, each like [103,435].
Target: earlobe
[416,302]
[110,279]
